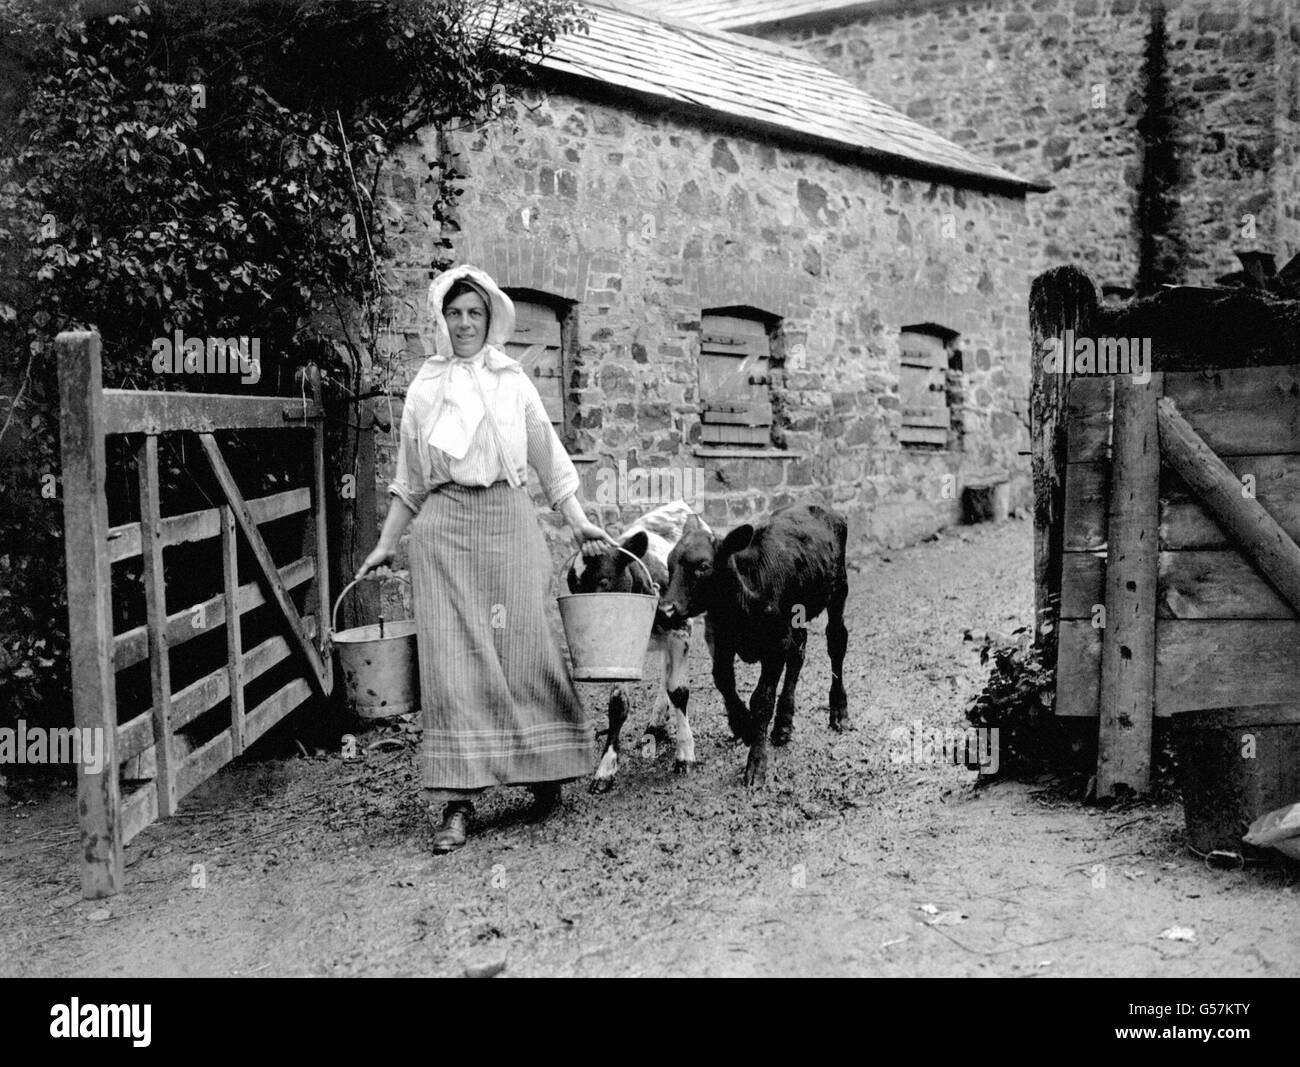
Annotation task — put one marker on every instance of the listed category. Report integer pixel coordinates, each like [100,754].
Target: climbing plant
[216,167]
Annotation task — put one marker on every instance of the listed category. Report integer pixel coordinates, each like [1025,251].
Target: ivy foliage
[217,167]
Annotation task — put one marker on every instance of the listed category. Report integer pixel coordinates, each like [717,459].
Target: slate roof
[776,90]
[734,14]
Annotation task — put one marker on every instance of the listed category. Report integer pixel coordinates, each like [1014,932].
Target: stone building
[1167,128]
[744,281]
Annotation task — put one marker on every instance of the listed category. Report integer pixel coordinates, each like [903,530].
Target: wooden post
[234,630]
[90,617]
[316,537]
[155,594]
[1128,641]
[1219,491]
[353,520]
[1061,299]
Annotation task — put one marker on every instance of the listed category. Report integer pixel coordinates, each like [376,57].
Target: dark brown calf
[761,586]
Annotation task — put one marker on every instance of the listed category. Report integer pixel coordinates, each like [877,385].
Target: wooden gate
[152,742]
[1178,515]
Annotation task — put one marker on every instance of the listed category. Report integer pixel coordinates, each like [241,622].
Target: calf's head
[704,571]
[612,571]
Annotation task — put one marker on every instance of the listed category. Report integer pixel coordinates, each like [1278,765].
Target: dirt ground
[849,864]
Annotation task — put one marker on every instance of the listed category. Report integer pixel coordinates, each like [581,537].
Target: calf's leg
[618,705]
[676,645]
[724,678]
[837,642]
[783,725]
[760,711]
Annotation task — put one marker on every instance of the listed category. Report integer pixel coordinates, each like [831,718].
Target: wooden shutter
[537,345]
[923,389]
[736,405]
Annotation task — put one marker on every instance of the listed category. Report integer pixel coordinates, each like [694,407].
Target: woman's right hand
[379,557]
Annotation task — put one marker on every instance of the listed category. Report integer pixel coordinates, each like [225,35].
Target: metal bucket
[608,632]
[379,665]
[1224,793]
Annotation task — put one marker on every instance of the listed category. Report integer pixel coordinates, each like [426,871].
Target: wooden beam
[1252,529]
[1061,299]
[1200,664]
[132,646]
[1128,644]
[1194,584]
[275,588]
[317,531]
[155,595]
[234,633]
[138,411]
[124,540]
[135,738]
[90,618]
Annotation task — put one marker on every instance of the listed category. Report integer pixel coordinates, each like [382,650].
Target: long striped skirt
[498,705]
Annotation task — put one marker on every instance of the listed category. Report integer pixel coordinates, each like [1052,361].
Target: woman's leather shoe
[454,829]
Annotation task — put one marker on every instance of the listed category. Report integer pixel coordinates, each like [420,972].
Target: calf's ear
[636,544]
[738,540]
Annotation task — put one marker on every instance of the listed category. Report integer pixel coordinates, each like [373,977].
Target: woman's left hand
[593,538]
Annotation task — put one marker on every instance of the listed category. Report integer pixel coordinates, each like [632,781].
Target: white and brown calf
[651,538]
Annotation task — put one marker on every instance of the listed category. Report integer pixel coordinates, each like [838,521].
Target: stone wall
[1055,90]
[645,221]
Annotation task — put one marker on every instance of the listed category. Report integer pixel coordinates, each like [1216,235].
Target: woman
[498,705]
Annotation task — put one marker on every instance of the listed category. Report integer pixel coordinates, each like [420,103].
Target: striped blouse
[529,438]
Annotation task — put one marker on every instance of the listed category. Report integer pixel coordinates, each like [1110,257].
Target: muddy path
[851,863]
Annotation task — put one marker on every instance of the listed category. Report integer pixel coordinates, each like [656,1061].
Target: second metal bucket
[608,632]
[379,664]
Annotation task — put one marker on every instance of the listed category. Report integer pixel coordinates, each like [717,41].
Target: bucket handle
[334,616]
[654,586]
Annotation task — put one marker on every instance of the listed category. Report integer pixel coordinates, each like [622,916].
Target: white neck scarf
[461,405]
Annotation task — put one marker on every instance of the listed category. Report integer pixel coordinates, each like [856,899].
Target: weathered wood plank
[318,599]
[274,708]
[922,435]
[736,435]
[203,763]
[749,415]
[155,595]
[1199,664]
[137,411]
[1059,299]
[1129,639]
[1191,585]
[1087,495]
[135,738]
[132,646]
[234,630]
[1255,532]
[124,540]
[1089,408]
[1078,669]
[139,809]
[1185,524]
[1241,410]
[311,658]
[90,625]
[1226,664]
[1238,412]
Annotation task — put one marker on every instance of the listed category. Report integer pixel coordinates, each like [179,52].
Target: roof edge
[849,9]
[900,166]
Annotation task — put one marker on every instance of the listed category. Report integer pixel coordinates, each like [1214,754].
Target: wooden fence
[152,742]
[1167,517]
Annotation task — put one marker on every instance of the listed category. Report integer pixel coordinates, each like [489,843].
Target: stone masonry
[1055,90]
[644,221]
